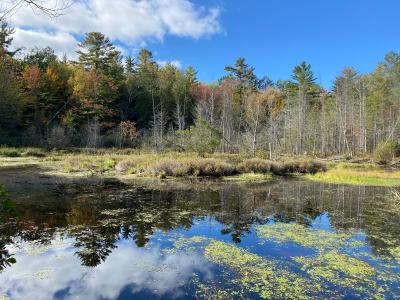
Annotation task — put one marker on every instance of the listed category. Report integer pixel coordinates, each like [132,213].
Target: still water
[285,239]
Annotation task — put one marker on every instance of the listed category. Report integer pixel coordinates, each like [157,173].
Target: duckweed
[395,252]
[341,270]
[306,237]
[258,275]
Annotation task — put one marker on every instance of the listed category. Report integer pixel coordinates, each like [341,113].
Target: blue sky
[275,35]
[272,35]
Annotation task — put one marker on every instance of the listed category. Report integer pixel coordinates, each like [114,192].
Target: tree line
[105,100]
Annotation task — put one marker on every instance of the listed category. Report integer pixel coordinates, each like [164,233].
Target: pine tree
[6,39]
[98,52]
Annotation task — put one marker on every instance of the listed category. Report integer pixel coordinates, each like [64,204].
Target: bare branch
[52,8]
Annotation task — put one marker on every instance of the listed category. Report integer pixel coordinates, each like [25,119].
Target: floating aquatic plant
[305,236]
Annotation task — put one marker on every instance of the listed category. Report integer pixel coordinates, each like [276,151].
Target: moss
[304,236]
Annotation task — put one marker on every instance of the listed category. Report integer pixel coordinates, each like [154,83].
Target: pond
[283,239]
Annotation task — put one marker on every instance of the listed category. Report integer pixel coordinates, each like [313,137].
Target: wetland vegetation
[127,177]
[286,237]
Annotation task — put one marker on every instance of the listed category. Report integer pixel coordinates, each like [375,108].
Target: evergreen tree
[6,39]
[98,52]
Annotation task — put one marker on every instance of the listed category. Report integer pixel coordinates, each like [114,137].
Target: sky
[272,35]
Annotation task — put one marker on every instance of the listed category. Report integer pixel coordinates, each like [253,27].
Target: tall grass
[174,164]
[364,174]
[22,152]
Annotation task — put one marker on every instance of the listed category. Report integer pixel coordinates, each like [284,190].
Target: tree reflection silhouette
[97,219]
[7,211]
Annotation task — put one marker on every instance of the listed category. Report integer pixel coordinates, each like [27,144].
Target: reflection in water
[119,232]
[127,268]
[7,213]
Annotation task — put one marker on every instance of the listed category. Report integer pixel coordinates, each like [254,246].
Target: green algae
[211,291]
[342,270]
[259,275]
[336,267]
[328,272]
[305,236]
[395,252]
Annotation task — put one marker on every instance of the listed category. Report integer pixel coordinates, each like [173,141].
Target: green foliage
[202,138]
[22,152]
[98,52]
[7,207]
[51,102]
[303,75]
[386,151]
[42,58]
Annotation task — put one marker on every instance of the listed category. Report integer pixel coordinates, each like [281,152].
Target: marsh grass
[115,162]
[22,152]
[249,177]
[359,175]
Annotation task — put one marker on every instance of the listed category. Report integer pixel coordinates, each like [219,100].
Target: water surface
[292,239]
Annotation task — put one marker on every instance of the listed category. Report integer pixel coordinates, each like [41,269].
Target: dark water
[290,239]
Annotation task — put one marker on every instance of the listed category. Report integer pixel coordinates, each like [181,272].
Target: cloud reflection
[58,273]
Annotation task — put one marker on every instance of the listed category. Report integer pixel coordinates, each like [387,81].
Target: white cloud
[42,275]
[175,63]
[129,22]
[61,42]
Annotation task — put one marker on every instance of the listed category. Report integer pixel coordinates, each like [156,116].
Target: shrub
[254,165]
[213,167]
[203,167]
[170,168]
[303,167]
[124,166]
[202,138]
[34,152]
[386,151]
[109,164]
[311,167]
[7,152]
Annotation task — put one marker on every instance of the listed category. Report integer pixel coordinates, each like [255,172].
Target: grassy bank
[358,174]
[133,163]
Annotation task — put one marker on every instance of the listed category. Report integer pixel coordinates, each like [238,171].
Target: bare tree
[52,8]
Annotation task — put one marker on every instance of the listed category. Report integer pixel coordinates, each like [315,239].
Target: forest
[106,100]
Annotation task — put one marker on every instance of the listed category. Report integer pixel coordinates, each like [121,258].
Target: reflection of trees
[97,219]
[6,259]
[94,247]
[7,211]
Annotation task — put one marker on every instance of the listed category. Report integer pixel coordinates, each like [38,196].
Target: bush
[34,152]
[254,165]
[171,168]
[203,167]
[202,138]
[124,166]
[213,167]
[18,152]
[302,167]
[7,152]
[386,151]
